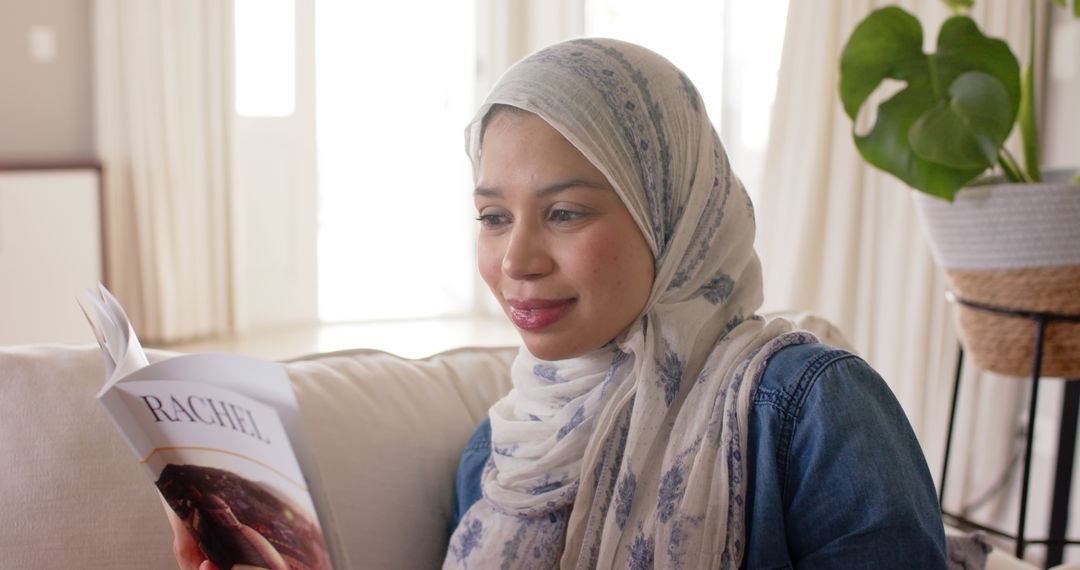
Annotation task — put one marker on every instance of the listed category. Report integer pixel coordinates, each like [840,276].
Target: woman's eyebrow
[487,192]
[546,191]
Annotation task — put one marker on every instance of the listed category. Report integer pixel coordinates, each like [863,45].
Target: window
[394,91]
[265,46]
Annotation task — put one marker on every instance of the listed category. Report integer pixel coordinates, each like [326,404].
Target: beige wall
[46,109]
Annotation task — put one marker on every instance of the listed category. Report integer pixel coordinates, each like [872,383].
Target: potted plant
[1007,234]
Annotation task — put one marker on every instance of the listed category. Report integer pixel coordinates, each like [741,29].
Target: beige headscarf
[633,455]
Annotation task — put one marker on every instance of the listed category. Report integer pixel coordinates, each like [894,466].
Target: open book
[221,436]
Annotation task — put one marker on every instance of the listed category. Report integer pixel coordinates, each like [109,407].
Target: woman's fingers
[186,551]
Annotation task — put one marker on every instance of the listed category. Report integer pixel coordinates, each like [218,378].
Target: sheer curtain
[164,97]
[842,239]
[837,237]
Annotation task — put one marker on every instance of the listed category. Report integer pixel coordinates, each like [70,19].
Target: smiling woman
[656,420]
[558,249]
[650,403]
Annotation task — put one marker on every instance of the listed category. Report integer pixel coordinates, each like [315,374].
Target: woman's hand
[186,551]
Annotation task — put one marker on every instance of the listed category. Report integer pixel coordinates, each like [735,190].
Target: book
[222,439]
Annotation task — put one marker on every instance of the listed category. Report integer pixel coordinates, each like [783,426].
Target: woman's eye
[491,220]
[559,215]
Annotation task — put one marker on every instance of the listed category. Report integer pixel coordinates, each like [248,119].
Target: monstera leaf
[948,123]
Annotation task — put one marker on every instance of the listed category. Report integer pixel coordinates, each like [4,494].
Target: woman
[655,419]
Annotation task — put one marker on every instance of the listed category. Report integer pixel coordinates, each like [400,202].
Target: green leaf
[961,48]
[966,130]
[888,45]
[1059,3]
[1028,130]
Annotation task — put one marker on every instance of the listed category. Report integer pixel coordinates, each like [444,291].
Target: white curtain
[164,97]
[842,239]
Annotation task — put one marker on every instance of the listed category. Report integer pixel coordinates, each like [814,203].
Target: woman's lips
[533,314]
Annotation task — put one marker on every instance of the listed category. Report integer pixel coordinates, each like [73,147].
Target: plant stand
[1056,540]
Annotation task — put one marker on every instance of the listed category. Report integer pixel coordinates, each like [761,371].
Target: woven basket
[1014,247]
[1006,344]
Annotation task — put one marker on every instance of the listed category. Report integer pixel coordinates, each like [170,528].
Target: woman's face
[557,246]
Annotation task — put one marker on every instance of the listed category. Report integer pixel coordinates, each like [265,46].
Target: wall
[46,109]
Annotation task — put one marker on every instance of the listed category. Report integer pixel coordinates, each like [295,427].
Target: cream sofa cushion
[386,433]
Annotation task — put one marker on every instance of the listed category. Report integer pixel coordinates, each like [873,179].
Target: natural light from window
[394,91]
[729,48]
[265,46]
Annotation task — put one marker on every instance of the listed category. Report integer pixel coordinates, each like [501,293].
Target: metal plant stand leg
[952,424]
[1021,542]
[1036,373]
[1056,540]
[1063,474]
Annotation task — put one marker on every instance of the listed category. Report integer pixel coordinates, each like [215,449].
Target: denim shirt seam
[808,377]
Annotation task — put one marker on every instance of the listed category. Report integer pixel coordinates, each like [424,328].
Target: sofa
[386,433]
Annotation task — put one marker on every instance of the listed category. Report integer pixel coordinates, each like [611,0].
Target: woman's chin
[552,349]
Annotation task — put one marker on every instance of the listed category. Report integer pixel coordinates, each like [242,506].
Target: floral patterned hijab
[632,455]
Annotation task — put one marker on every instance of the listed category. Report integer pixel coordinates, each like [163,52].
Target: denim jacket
[836,477]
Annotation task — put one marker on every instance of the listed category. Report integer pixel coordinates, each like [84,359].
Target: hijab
[633,455]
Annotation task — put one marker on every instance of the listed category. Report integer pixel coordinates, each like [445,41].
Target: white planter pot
[1017,247]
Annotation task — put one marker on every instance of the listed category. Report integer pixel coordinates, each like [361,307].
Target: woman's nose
[526,255]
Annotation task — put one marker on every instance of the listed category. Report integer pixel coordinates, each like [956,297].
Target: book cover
[221,438]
